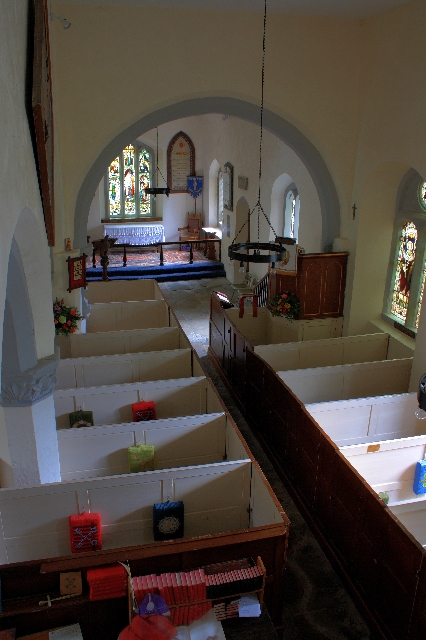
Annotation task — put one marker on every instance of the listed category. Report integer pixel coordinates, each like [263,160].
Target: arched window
[128,175]
[404,271]
[220,203]
[291,212]
[407,270]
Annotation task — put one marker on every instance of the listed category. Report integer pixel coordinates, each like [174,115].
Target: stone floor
[316,604]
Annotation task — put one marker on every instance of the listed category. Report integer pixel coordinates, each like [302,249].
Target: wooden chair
[192,231]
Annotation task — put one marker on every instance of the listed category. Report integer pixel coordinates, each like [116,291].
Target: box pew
[412,516]
[35,519]
[123,291]
[115,316]
[122,368]
[269,329]
[113,404]
[105,343]
[325,353]
[324,384]
[93,452]
[389,465]
[349,422]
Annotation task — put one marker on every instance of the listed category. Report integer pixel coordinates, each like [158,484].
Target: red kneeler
[85,532]
[144,410]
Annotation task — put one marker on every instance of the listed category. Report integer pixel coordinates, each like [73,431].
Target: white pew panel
[123,368]
[123,291]
[389,465]
[34,520]
[112,404]
[114,316]
[112,342]
[324,384]
[368,419]
[92,452]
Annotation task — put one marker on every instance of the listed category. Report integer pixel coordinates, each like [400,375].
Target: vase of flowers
[65,318]
[286,305]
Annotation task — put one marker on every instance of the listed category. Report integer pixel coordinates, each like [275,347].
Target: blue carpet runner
[167,273]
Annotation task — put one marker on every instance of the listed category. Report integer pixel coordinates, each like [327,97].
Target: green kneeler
[141,458]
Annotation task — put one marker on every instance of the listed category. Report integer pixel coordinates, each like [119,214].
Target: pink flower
[284,295]
[69,323]
[72,330]
[72,312]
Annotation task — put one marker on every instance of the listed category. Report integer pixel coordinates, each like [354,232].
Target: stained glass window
[144,181]
[422,288]
[404,269]
[422,195]
[114,188]
[128,175]
[129,181]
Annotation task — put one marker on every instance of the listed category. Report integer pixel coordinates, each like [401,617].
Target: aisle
[317,605]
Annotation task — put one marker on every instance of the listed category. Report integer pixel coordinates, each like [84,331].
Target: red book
[140,588]
[154,582]
[184,585]
[175,586]
[144,586]
[162,590]
[193,585]
[149,581]
[170,588]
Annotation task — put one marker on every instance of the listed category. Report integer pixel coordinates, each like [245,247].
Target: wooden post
[161,255]
[191,256]
[124,257]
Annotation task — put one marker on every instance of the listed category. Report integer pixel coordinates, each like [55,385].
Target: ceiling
[330,8]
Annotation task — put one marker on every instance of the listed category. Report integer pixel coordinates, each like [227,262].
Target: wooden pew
[389,466]
[124,368]
[114,316]
[123,291]
[325,353]
[92,452]
[113,342]
[324,384]
[113,404]
[349,422]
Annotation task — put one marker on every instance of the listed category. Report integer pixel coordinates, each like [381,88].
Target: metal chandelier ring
[234,248]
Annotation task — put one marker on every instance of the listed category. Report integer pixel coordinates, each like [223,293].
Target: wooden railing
[261,290]
[159,247]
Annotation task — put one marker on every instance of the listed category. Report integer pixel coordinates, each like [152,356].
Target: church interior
[343,171]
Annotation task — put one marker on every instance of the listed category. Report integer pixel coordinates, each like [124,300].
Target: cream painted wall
[188,54]
[391,140]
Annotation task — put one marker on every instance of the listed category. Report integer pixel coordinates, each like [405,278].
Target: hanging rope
[258,205]
[158,168]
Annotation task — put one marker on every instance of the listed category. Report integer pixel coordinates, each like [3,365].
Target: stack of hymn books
[189,613]
[229,578]
[175,588]
[107,582]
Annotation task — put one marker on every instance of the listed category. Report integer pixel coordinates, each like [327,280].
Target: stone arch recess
[284,130]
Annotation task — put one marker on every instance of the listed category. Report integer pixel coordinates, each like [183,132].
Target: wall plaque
[180,162]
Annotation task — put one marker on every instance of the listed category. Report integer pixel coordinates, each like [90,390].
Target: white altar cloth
[135,233]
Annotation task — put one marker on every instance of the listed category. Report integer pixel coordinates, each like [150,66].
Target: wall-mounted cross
[354,207]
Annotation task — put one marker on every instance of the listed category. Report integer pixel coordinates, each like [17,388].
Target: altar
[144,233]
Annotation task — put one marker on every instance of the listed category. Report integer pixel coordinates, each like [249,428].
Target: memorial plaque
[181,162]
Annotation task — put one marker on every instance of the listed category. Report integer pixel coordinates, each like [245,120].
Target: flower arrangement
[65,318]
[285,304]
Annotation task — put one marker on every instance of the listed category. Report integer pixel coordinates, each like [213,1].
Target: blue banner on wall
[195,185]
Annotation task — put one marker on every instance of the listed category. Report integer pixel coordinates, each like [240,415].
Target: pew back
[34,520]
[124,368]
[368,419]
[324,384]
[389,465]
[113,342]
[114,316]
[123,291]
[113,404]
[93,452]
[325,353]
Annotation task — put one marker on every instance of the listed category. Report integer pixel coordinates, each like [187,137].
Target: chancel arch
[284,130]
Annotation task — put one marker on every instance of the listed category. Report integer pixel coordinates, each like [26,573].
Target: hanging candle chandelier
[251,251]
[156,191]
